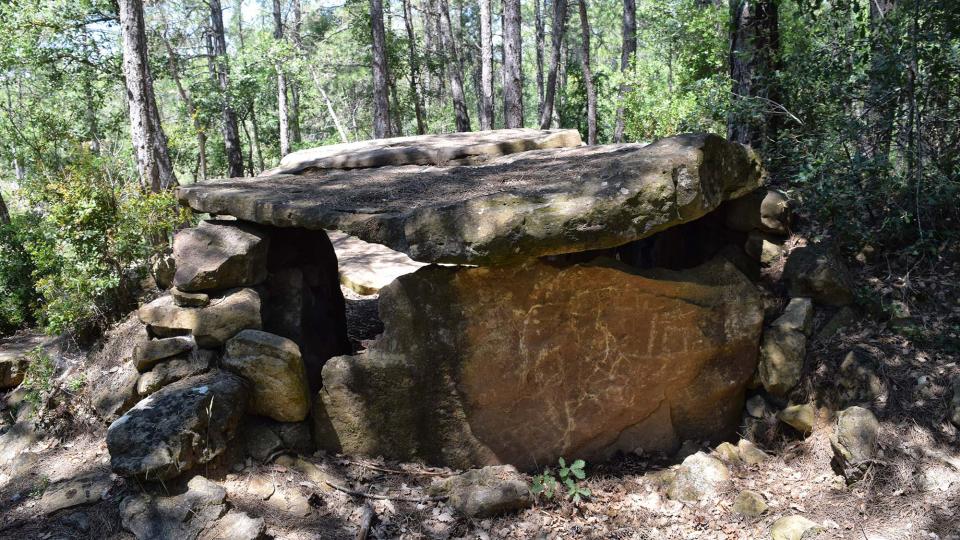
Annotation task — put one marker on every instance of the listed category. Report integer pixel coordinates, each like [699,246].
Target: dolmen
[577,301]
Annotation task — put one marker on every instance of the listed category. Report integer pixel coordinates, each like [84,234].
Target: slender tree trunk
[587,76]
[296,136]
[414,69]
[330,110]
[4,213]
[754,59]
[885,77]
[539,33]
[381,96]
[174,65]
[454,69]
[282,113]
[256,135]
[93,127]
[231,135]
[556,39]
[627,51]
[146,133]
[512,66]
[486,66]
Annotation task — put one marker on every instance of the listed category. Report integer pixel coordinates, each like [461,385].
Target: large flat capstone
[524,364]
[469,147]
[525,205]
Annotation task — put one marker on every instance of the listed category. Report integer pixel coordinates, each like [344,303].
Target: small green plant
[548,485]
[38,380]
[42,484]
[77,383]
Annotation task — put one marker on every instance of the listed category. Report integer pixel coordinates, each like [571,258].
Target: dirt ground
[912,491]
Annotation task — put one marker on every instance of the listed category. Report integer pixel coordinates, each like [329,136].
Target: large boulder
[180,426]
[274,365]
[544,202]
[813,271]
[523,365]
[212,325]
[174,369]
[220,255]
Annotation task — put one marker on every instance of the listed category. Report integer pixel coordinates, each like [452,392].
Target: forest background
[105,106]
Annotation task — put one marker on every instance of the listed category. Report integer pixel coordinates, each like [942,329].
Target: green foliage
[38,380]
[90,245]
[18,295]
[549,486]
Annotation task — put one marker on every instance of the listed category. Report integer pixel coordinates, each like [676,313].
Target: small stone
[275,366]
[798,316]
[763,210]
[486,492]
[174,369]
[800,417]
[756,406]
[262,486]
[290,501]
[74,492]
[793,528]
[727,452]
[750,454]
[163,268]
[782,354]
[700,477]
[854,442]
[220,254]
[187,299]
[749,503]
[235,525]
[148,353]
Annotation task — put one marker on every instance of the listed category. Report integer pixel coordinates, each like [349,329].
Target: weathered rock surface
[201,512]
[750,503]
[366,268]
[854,441]
[15,357]
[782,354]
[793,528]
[796,317]
[274,365]
[179,426]
[523,365]
[700,477]
[749,453]
[189,299]
[526,205]
[174,369]
[763,247]
[471,147]
[813,271]
[761,210]
[486,492]
[801,417]
[75,492]
[220,254]
[148,353]
[211,326]
[859,381]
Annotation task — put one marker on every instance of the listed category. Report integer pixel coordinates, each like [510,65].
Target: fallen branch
[399,498]
[366,521]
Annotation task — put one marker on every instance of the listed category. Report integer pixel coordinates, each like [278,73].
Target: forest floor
[911,492]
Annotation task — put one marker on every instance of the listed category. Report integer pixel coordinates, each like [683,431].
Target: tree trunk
[282,113]
[414,69]
[627,51]
[295,135]
[381,97]
[486,66]
[754,59]
[512,66]
[885,77]
[587,77]
[174,65]
[146,133]
[4,213]
[556,40]
[539,32]
[454,69]
[231,135]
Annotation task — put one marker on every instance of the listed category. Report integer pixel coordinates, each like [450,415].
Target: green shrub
[18,296]
[549,486]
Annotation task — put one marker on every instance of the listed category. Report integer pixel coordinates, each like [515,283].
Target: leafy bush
[91,243]
[38,379]
[18,296]
[549,486]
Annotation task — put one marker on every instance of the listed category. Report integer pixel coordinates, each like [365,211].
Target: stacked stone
[208,360]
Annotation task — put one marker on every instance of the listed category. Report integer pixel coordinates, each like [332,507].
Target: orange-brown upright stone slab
[527,363]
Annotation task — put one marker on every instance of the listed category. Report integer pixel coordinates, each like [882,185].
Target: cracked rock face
[220,255]
[525,205]
[524,364]
[179,426]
